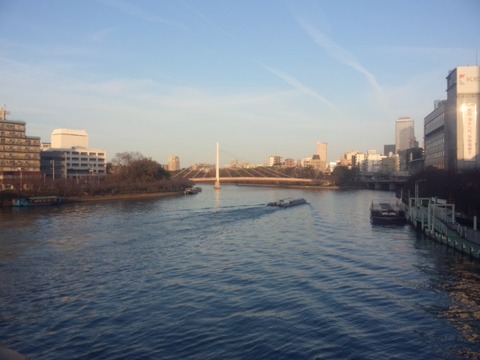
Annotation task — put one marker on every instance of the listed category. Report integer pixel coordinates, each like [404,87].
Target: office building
[19,154]
[404,134]
[173,163]
[322,153]
[462,130]
[451,129]
[69,156]
[434,130]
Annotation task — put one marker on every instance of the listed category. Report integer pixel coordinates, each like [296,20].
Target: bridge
[208,173]
[256,175]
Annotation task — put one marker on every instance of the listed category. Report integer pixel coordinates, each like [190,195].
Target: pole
[217,171]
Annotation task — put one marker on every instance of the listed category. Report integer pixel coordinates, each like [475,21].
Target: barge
[387,213]
[288,202]
[36,201]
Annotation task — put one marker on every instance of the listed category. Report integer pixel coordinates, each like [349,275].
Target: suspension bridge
[208,173]
[258,175]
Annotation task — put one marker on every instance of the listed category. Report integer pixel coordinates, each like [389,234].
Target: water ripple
[221,275]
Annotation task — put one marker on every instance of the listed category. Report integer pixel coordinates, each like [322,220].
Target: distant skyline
[260,77]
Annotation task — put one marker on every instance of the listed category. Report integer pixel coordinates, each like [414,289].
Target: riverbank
[317,187]
[122,197]
[103,198]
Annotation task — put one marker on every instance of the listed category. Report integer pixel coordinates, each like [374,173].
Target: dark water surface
[219,275]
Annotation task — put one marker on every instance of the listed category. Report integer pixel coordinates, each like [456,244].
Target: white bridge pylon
[217,185]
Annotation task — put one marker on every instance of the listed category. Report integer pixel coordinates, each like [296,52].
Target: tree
[134,167]
[341,175]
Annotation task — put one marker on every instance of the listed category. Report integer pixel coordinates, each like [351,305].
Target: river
[219,275]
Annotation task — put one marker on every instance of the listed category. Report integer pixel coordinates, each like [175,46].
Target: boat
[288,202]
[192,190]
[386,213]
[36,201]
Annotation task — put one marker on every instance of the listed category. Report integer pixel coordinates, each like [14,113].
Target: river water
[219,275]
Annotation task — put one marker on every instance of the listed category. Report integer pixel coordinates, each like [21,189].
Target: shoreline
[121,197]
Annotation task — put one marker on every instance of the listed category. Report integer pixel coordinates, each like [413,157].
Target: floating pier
[437,220]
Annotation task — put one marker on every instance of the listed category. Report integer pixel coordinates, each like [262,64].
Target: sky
[261,78]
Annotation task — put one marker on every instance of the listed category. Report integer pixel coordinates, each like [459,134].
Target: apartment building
[19,154]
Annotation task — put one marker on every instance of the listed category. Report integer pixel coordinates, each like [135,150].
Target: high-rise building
[173,163]
[462,130]
[19,154]
[322,153]
[404,134]
[451,130]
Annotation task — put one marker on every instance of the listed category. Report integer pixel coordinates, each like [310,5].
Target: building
[451,129]
[371,162]
[415,160]
[69,156]
[404,134]
[322,153]
[389,150]
[290,163]
[274,160]
[434,136]
[348,159]
[68,138]
[173,163]
[390,165]
[19,154]
[461,124]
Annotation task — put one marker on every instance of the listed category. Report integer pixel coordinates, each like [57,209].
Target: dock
[437,219]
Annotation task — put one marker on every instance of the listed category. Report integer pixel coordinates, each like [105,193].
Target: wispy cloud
[298,85]
[138,12]
[341,54]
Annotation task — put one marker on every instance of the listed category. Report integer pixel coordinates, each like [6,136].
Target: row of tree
[461,189]
[128,173]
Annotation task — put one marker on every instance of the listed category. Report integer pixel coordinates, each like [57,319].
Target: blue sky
[261,78]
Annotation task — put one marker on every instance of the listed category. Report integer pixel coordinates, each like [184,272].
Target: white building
[462,133]
[67,138]
[69,156]
[371,162]
[274,160]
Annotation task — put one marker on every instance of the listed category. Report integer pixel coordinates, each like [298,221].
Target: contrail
[341,54]
[299,86]
[134,10]
[285,77]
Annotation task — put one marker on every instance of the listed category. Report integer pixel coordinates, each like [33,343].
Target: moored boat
[288,202]
[36,201]
[385,213]
[193,190]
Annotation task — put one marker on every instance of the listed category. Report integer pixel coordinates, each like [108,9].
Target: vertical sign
[469,113]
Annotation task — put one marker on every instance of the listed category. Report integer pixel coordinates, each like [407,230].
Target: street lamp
[21,178]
